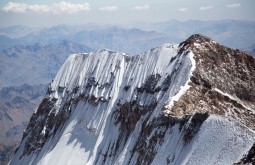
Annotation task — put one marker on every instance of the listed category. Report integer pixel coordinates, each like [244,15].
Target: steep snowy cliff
[175,104]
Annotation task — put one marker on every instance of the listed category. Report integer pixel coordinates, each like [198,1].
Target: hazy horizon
[78,12]
[121,25]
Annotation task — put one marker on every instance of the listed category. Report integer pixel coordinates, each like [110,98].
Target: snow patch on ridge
[233,98]
[183,88]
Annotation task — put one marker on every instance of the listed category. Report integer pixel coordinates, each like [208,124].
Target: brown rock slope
[223,82]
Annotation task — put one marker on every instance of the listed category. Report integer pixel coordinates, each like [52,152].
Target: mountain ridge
[159,107]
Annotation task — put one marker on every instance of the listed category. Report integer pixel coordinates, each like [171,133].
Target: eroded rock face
[165,106]
[48,119]
[222,83]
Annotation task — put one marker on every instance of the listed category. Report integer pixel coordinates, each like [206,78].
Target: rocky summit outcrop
[223,82]
[191,103]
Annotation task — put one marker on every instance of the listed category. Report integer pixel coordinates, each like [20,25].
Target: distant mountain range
[34,64]
[44,50]
[236,34]
[130,40]
[17,105]
[233,33]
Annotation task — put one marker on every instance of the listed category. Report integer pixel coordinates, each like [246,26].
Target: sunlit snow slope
[110,108]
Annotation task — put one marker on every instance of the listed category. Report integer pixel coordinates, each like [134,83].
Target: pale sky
[78,12]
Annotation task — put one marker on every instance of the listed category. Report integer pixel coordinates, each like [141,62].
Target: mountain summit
[192,103]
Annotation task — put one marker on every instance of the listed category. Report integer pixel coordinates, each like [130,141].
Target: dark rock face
[147,154]
[50,122]
[128,114]
[196,120]
[37,137]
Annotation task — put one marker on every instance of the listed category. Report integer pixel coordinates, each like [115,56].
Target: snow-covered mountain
[191,103]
